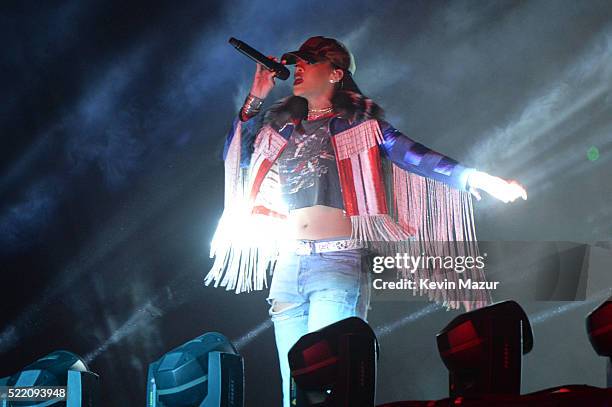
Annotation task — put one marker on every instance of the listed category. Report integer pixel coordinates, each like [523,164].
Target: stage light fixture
[58,369]
[335,366]
[204,372]
[599,329]
[482,350]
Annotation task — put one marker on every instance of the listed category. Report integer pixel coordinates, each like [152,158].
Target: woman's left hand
[504,190]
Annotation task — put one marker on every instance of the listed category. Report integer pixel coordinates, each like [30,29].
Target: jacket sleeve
[419,159]
[249,130]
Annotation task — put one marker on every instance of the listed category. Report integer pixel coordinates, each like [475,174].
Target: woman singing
[314,180]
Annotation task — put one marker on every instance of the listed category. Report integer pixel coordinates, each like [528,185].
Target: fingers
[261,68]
[518,189]
[504,190]
[521,190]
[275,59]
[264,72]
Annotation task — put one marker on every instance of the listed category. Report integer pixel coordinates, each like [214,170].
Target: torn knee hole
[279,306]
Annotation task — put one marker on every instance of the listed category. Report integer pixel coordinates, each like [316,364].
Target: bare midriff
[318,222]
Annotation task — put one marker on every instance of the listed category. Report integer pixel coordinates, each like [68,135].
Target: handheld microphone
[281,71]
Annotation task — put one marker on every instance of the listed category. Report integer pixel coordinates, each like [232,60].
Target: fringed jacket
[394,190]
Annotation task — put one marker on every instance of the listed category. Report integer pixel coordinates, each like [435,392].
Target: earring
[331,81]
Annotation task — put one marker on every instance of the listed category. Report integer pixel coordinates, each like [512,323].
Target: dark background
[113,116]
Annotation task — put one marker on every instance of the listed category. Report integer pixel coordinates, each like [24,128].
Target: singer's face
[312,79]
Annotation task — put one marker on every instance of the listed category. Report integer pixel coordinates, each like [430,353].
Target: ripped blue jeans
[322,288]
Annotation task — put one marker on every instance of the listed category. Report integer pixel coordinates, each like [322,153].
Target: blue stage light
[59,368]
[204,372]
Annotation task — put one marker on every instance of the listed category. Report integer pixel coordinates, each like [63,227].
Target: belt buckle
[342,244]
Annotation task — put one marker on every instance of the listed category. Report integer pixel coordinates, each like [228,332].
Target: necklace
[325,109]
[315,113]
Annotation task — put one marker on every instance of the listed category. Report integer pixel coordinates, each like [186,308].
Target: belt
[307,247]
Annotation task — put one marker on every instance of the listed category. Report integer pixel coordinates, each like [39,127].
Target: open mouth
[298,80]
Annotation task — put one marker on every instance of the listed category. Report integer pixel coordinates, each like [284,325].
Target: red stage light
[482,350]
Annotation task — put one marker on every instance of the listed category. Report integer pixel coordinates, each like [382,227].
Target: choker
[315,113]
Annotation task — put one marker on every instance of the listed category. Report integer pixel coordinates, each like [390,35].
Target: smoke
[25,221]
[248,337]
[492,77]
[387,329]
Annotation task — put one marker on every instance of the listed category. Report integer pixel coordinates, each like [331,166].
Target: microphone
[281,71]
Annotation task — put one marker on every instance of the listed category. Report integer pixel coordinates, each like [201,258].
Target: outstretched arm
[419,159]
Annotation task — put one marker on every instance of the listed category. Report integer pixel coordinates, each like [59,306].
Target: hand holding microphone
[263,81]
[267,69]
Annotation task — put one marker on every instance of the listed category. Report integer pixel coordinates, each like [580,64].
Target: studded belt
[307,247]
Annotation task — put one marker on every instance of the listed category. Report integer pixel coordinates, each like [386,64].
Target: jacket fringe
[443,220]
[242,264]
[406,214]
[243,254]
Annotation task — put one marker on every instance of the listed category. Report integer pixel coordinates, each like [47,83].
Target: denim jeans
[323,288]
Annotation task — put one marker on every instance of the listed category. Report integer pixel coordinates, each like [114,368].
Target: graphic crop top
[307,167]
